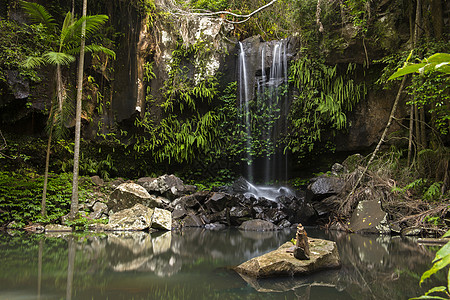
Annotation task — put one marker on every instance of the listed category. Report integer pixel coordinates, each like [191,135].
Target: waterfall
[264,82]
[244,96]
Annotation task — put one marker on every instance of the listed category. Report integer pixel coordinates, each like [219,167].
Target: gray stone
[97,180]
[281,262]
[162,219]
[99,209]
[20,86]
[166,184]
[179,212]
[215,226]
[192,221]
[325,186]
[368,217]
[139,217]
[128,194]
[258,225]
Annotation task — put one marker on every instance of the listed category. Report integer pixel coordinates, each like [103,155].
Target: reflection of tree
[41,246]
[70,267]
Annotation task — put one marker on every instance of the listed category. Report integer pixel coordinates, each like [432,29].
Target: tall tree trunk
[437,18]
[410,139]
[47,162]
[76,152]
[423,133]
[417,128]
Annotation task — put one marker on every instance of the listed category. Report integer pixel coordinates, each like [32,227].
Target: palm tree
[76,152]
[64,45]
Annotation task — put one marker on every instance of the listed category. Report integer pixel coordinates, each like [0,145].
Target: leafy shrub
[21,196]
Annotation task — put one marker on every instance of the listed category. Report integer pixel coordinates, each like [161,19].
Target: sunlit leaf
[408,69]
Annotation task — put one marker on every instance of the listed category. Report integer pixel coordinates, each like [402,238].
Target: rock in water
[324,255]
[301,250]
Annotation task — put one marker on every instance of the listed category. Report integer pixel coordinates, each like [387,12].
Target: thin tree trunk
[59,88]
[423,133]
[391,117]
[47,162]
[76,154]
[411,125]
[417,128]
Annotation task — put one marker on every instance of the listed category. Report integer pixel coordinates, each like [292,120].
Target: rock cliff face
[150,40]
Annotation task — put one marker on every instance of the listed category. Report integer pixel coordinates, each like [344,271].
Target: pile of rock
[231,206]
[168,195]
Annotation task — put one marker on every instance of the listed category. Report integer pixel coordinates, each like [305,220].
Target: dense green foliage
[325,96]
[21,196]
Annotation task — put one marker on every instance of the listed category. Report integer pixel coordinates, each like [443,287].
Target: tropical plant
[65,43]
[437,62]
[325,95]
[440,261]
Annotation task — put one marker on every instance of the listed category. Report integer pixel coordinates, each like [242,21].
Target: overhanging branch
[177,11]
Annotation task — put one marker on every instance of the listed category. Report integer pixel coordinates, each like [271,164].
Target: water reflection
[194,264]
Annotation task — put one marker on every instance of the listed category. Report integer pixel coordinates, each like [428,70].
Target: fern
[433,192]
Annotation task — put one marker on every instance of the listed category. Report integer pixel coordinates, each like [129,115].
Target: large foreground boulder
[281,262]
[139,217]
[128,194]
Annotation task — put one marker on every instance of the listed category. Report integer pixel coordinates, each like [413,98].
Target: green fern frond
[33,62]
[39,14]
[58,58]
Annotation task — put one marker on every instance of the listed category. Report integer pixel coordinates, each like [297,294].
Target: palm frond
[66,30]
[33,62]
[99,48]
[93,25]
[59,119]
[58,58]
[39,14]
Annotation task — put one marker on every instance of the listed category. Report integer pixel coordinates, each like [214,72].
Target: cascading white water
[271,108]
[244,94]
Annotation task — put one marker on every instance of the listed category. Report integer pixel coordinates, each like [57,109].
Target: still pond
[195,264]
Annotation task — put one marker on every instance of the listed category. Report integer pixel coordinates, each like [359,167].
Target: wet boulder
[127,195]
[281,262]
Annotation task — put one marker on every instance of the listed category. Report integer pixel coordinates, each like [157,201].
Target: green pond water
[195,264]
